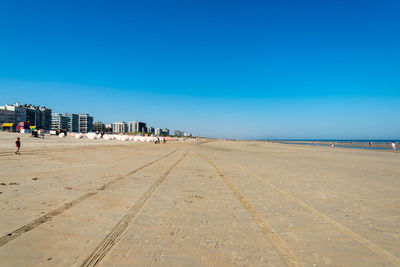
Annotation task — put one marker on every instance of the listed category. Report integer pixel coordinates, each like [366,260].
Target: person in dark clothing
[18,145]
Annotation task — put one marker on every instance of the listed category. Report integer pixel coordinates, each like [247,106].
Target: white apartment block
[119,127]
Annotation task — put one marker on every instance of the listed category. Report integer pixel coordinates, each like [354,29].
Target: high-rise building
[157,131]
[177,133]
[85,123]
[35,115]
[132,126]
[59,122]
[19,112]
[119,127]
[108,128]
[73,122]
[98,126]
[7,116]
[38,116]
[137,126]
[150,130]
[46,118]
[165,131]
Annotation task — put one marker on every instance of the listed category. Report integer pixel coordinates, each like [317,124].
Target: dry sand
[85,202]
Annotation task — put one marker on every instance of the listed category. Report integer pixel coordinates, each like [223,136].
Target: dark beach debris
[35,178]
[13,183]
[2,184]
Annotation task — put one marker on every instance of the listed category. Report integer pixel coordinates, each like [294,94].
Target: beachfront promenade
[86,202]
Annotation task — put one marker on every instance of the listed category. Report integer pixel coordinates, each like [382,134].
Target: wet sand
[89,202]
[351,144]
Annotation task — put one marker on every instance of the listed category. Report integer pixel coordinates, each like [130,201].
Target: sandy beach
[70,202]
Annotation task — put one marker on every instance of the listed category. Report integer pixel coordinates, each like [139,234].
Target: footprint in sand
[190,198]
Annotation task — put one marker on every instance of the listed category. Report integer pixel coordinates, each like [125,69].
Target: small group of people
[158,141]
[393,146]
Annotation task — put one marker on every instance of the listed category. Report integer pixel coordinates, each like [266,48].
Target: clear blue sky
[241,69]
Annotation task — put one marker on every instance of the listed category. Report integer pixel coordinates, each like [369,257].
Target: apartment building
[59,122]
[85,123]
[137,126]
[73,122]
[98,126]
[119,127]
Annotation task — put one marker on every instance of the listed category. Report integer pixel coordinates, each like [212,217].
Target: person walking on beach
[18,146]
[393,146]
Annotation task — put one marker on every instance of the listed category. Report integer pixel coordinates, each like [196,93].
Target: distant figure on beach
[332,145]
[393,146]
[18,146]
[197,141]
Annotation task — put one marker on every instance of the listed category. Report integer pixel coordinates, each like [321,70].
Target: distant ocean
[336,140]
[376,144]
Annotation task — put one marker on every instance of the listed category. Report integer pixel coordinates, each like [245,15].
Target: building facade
[98,126]
[165,131]
[119,127]
[108,128]
[177,133]
[45,118]
[85,123]
[137,126]
[150,130]
[59,122]
[7,116]
[157,131]
[35,115]
[73,122]
[38,116]
[19,112]
[132,126]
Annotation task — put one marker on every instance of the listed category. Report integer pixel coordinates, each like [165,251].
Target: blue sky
[239,69]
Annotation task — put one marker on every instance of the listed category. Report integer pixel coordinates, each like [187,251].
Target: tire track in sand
[30,226]
[354,236]
[276,241]
[114,236]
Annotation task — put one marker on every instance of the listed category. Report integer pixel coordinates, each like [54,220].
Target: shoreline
[344,144]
